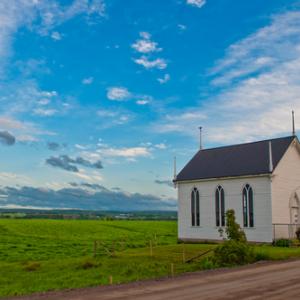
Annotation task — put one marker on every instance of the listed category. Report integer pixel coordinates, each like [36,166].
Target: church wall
[262,231]
[285,181]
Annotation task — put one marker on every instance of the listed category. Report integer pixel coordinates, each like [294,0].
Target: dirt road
[279,280]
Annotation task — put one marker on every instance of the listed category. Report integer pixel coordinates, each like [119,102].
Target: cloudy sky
[98,96]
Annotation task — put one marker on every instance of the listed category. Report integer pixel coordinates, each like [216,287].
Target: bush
[207,264]
[282,243]
[233,229]
[232,253]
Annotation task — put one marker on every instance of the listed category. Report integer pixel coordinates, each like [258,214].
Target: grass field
[41,255]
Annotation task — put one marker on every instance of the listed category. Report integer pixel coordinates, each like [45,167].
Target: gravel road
[279,280]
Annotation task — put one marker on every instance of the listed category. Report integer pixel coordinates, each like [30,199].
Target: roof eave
[268,174]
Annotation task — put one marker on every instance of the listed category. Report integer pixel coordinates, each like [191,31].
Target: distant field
[41,255]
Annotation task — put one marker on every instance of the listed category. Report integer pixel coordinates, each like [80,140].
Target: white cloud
[122,94]
[161,146]
[158,63]
[165,79]
[43,102]
[125,152]
[197,3]
[88,80]
[142,102]
[143,99]
[118,93]
[45,112]
[145,45]
[81,147]
[257,104]
[56,36]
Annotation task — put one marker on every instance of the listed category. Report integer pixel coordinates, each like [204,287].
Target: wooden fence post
[172,269]
[183,253]
[110,280]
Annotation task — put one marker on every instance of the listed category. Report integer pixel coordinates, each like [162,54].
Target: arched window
[195,207]
[248,206]
[220,206]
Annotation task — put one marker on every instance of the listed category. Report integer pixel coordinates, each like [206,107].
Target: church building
[259,180]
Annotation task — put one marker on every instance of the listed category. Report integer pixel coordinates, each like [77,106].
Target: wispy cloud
[196,3]
[165,182]
[23,131]
[263,72]
[56,36]
[7,138]
[158,63]
[67,163]
[114,117]
[53,146]
[88,80]
[45,112]
[40,16]
[164,79]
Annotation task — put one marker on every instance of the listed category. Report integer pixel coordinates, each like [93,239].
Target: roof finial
[175,175]
[200,128]
[293,122]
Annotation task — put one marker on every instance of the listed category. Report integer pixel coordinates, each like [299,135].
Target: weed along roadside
[45,255]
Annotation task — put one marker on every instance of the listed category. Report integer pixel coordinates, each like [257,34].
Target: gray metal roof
[236,160]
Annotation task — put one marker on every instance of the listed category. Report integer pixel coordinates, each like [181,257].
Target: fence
[284,231]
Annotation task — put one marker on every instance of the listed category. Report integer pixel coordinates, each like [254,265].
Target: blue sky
[98,96]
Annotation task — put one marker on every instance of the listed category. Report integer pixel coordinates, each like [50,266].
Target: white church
[259,180]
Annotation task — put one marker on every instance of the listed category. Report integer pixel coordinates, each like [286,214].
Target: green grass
[43,255]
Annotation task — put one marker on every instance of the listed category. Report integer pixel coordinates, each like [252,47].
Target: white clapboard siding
[285,181]
[262,231]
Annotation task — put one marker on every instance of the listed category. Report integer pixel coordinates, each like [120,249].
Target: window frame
[248,206]
[220,206]
[195,207]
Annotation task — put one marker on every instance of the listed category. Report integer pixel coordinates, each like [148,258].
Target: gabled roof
[236,160]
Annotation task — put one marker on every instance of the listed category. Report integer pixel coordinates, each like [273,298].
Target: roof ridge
[247,143]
